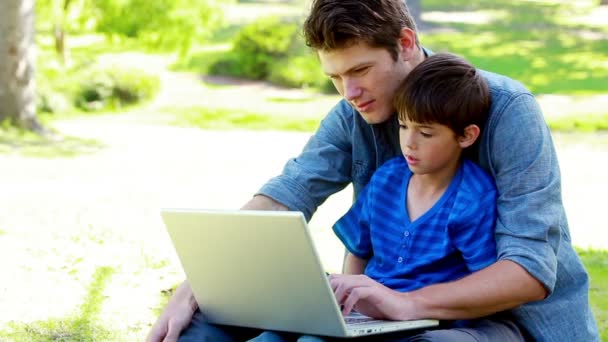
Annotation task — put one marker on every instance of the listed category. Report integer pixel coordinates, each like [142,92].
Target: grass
[225,119]
[596,263]
[82,327]
[535,42]
[19,142]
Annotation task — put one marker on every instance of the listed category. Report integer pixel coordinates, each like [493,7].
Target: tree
[17,82]
[604,2]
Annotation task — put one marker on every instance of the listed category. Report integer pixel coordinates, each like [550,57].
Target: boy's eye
[402,126]
[426,135]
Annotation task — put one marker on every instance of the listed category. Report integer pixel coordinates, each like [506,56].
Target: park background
[148,104]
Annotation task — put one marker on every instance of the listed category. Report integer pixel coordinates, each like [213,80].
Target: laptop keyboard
[359,320]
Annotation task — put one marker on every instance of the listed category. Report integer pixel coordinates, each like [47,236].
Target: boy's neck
[424,190]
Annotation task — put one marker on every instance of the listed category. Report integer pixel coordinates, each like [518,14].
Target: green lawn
[597,266]
[549,46]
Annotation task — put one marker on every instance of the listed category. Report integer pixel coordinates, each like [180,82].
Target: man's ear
[471,133]
[407,44]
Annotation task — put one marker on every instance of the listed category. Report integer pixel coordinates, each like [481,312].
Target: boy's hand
[361,293]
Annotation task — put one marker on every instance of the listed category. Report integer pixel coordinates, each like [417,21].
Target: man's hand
[369,297]
[176,316]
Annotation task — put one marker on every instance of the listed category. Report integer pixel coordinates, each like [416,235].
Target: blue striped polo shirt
[451,240]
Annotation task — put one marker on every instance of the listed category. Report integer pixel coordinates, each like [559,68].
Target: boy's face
[366,77]
[429,148]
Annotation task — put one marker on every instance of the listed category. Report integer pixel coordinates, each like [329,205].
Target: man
[367,47]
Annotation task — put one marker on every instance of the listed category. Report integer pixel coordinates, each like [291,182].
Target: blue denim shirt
[517,150]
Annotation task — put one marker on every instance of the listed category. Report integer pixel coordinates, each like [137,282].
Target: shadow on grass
[83,326]
[530,43]
[13,141]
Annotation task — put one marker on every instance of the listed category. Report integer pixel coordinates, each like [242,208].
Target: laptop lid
[259,269]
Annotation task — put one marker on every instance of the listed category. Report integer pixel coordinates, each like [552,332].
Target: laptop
[260,269]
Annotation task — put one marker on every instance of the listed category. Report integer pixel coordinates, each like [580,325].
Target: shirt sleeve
[529,205]
[353,229]
[322,168]
[473,233]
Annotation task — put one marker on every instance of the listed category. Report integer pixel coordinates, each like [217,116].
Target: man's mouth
[365,106]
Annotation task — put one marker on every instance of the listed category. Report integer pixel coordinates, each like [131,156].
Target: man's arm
[501,286]
[261,202]
[178,313]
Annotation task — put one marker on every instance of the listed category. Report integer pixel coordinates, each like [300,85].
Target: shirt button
[406,233]
[400,260]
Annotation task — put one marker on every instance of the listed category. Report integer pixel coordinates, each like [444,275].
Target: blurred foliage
[256,48]
[168,25]
[164,24]
[112,88]
[272,49]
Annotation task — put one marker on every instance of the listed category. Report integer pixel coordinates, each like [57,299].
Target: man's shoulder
[501,84]
[504,90]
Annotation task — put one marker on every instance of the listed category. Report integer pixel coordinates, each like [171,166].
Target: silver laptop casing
[260,269]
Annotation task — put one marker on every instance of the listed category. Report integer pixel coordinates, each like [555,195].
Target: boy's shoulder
[392,170]
[475,179]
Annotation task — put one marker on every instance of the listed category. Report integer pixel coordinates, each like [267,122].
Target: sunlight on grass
[18,142]
[224,119]
[596,263]
[84,326]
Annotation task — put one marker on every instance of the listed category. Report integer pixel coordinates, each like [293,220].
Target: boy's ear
[471,133]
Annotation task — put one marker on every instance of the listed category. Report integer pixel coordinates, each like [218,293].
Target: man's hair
[338,24]
[444,89]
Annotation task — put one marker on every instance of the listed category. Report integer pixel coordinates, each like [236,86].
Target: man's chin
[374,118]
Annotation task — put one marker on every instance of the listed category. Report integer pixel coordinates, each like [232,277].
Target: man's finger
[172,334]
[355,295]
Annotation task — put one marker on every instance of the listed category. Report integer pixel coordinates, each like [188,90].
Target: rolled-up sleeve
[529,206]
[322,169]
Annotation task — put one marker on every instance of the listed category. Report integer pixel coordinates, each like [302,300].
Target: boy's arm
[353,264]
[178,313]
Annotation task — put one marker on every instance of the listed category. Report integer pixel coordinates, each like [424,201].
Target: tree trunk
[17,59]
[416,11]
[604,2]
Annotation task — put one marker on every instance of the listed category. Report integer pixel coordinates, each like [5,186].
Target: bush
[273,50]
[114,88]
[163,24]
[257,47]
[299,71]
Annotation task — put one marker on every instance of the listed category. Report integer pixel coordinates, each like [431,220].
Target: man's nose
[352,90]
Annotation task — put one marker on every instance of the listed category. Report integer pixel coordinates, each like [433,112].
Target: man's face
[366,77]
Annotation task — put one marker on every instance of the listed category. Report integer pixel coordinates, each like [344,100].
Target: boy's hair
[444,89]
[338,24]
